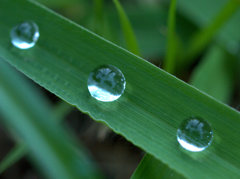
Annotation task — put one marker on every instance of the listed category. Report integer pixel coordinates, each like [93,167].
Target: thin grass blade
[171,39]
[127,29]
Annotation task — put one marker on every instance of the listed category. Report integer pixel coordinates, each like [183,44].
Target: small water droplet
[106,83]
[194,134]
[25,35]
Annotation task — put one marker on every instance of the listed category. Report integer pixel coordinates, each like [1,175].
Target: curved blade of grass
[54,151]
[204,36]
[171,38]
[127,29]
[98,16]
[152,106]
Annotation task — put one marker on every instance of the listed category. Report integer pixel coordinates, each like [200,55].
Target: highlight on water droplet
[106,83]
[195,134]
[25,35]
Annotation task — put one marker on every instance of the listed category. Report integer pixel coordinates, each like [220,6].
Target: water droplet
[25,35]
[194,134]
[106,83]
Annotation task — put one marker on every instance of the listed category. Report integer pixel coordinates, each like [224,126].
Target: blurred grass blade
[127,29]
[204,36]
[99,23]
[53,150]
[12,157]
[98,16]
[152,106]
[154,169]
[20,150]
[171,39]
[214,75]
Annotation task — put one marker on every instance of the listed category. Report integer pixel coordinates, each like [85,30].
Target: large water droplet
[25,35]
[194,134]
[106,83]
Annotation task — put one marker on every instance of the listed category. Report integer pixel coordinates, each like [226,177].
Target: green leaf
[214,75]
[98,19]
[152,106]
[127,29]
[53,150]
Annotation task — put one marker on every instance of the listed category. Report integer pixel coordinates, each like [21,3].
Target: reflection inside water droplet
[25,35]
[194,134]
[106,83]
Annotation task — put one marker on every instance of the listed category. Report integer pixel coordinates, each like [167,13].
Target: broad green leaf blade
[154,169]
[12,157]
[171,38]
[152,106]
[53,150]
[214,75]
[127,29]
